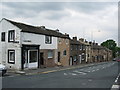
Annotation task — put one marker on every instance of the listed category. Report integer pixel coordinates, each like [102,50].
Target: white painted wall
[38,40]
[4,46]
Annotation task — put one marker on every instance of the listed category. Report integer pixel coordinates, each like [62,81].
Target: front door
[58,56]
[71,61]
[80,58]
[41,59]
[25,59]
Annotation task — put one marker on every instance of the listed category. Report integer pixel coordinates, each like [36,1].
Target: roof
[37,30]
[74,42]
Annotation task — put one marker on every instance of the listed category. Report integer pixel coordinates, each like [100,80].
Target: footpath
[48,70]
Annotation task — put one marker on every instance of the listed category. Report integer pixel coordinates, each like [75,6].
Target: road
[95,76]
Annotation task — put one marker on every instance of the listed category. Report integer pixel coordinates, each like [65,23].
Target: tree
[111,44]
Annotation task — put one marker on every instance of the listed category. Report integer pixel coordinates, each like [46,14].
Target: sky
[90,20]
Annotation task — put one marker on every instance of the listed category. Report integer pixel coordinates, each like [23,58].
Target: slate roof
[37,30]
[74,42]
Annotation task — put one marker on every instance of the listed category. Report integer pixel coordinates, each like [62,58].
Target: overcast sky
[90,20]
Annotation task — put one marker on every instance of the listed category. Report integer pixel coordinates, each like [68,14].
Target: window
[11,36]
[48,39]
[59,40]
[80,47]
[50,54]
[64,52]
[3,36]
[75,58]
[71,47]
[33,56]
[11,56]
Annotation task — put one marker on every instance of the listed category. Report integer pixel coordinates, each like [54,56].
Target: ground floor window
[33,56]
[11,56]
[50,54]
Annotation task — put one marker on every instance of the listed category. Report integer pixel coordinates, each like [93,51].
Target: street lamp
[92,40]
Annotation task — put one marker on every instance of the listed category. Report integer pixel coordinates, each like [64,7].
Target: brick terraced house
[25,46]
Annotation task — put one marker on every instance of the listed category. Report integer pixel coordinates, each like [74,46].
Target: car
[118,60]
[114,59]
[3,69]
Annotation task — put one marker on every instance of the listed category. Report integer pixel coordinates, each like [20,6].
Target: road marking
[97,69]
[90,80]
[79,72]
[93,70]
[65,73]
[73,74]
[115,86]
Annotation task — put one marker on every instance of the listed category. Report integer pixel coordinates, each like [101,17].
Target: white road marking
[93,70]
[79,72]
[73,74]
[90,80]
[65,73]
[97,69]
[115,86]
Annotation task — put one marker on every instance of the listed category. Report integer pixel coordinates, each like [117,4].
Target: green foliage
[111,44]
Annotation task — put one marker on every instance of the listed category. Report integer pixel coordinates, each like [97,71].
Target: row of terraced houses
[24,46]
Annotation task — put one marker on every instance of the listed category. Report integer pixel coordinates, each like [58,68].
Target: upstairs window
[11,36]
[48,39]
[64,52]
[3,36]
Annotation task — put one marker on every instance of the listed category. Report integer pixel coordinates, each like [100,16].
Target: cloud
[76,18]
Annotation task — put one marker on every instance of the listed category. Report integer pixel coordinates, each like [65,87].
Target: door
[80,58]
[41,59]
[25,59]
[32,58]
[58,56]
[71,61]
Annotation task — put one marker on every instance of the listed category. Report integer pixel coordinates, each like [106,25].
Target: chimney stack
[81,39]
[66,34]
[75,38]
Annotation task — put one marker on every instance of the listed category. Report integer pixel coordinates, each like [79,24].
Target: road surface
[96,76]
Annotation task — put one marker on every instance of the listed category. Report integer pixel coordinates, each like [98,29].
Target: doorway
[58,56]
[71,61]
[41,58]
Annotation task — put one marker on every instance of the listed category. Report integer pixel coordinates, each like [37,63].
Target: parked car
[3,69]
[118,60]
[114,59]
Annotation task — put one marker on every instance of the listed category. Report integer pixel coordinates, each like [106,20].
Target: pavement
[47,70]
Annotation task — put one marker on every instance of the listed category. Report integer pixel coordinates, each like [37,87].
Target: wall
[4,46]
[38,40]
[64,44]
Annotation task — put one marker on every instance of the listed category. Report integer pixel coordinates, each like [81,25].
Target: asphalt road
[96,76]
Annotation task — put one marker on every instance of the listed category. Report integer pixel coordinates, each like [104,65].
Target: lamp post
[92,40]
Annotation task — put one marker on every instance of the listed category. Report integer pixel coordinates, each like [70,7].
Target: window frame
[9,61]
[51,54]
[9,39]
[50,39]
[3,38]
[64,52]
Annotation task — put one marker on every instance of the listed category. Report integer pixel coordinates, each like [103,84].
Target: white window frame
[11,36]
[49,38]
[9,57]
